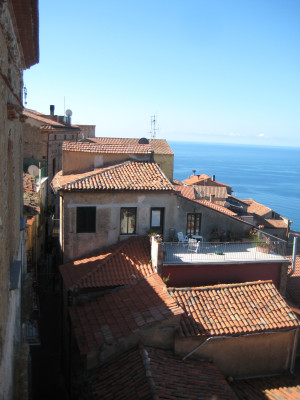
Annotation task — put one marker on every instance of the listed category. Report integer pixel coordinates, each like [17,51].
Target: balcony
[216,252]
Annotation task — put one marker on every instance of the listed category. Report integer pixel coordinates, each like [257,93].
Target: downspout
[203,343]
[294,256]
[249,334]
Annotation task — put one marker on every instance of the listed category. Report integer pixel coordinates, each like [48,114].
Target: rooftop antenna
[153,126]
[25,95]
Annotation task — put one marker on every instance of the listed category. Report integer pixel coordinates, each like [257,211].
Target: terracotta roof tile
[189,193]
[199,179]
[46,120]
[117,315]
[256,208]
[118,265]
[149,373]
[233,309]
[293,282]
[118,146]
[128,175]
[285,387]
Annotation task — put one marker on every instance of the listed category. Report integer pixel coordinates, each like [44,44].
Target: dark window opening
[157,220]
[86,220]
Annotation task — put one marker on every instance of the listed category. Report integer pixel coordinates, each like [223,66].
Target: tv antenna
[153,126]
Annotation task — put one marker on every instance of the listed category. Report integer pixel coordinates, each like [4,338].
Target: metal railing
[223,252]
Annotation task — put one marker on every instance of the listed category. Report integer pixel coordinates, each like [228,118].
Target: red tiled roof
[256,208]
[293,282]
[46,120]
[149,373]
[30,195]
[233,309]
[118,146]
[284,387]
[128,175]
[118,265]
[277,223]
[189,193]
[117,315]
[196,178]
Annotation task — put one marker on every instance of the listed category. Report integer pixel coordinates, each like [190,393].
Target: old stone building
[19,50]
[43,139]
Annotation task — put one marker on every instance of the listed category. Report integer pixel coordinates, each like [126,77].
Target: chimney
[212,198]
[52,110]
[213,178]
[194,172]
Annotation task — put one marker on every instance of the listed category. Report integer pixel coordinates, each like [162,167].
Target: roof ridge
[148,370]
[222,285]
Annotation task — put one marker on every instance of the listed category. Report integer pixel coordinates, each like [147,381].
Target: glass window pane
[155,221]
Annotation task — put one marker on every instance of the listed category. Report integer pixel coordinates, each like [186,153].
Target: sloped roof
[284,387]
[196,178]
[188,192]
[256,208]
[30,195]
[119,265]
[233,309]
[117,315]
[129,175]
[293,282]
[199,179]
[149,373]
[46,121]
[119,146]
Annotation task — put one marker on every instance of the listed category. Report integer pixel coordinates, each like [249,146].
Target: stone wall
[12,239]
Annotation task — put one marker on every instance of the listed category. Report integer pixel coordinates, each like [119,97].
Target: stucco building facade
[19,49]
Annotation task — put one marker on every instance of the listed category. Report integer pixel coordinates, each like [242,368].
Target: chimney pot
[213,178]
[52,109]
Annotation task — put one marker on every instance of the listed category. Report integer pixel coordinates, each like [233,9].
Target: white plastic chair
[182,238]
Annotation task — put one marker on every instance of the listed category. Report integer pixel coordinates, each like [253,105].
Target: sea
[268,174]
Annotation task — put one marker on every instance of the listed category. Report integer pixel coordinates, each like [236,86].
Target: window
[193,225]
[128,221]
[157,220]
[86,220]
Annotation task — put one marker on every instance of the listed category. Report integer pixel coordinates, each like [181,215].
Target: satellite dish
[33,170]
[69,113]
[143,141]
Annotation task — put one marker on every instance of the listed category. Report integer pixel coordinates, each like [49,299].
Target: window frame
[86,223]
[196,227]
[132,210]
[157,228]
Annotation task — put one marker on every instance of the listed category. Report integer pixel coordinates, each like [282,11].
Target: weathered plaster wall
[245,356]
[213,273]
[80,161]
[210,220]
[35,141]
[108,207]
[159,335]
[12,245]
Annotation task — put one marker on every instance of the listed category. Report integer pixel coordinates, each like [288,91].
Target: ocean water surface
[269,175]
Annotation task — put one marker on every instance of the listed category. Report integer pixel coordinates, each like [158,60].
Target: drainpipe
[294,256]
[203,343]
[249,334]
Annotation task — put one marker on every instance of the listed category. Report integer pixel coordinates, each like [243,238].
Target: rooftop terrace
[215,252]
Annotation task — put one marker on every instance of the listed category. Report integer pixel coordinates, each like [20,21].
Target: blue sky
[212,71]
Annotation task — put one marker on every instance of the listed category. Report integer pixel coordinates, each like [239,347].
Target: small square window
[86,220]
[128,221]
